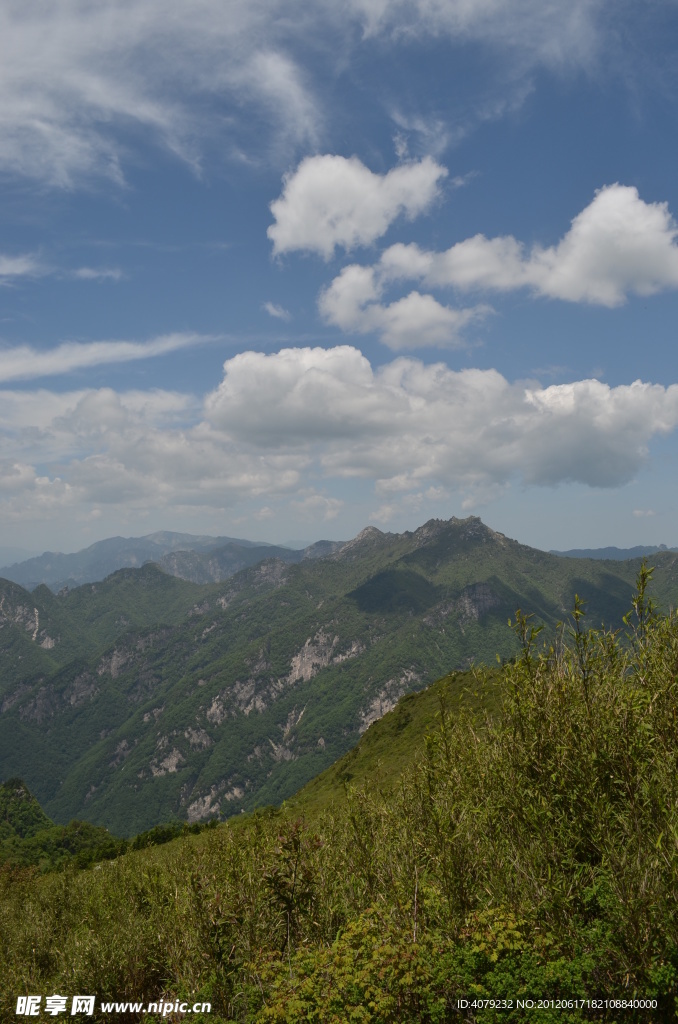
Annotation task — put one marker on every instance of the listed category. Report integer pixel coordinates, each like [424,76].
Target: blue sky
[280,270]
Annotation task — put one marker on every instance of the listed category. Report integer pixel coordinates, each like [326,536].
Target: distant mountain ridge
[205,559]
[614,554]
[219,563]
[100,559]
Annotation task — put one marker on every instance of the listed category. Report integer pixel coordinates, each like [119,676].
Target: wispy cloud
[26,363]
[26,265]
[542,31]
[74,76]
[278,312]
[98,274]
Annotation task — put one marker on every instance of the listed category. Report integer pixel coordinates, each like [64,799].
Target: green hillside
[145,698]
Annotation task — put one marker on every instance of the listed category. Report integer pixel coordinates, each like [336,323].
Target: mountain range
[145,697]
[193,557]
[201,559]
[615,554]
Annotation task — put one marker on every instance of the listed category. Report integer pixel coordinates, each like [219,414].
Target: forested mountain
[146,697]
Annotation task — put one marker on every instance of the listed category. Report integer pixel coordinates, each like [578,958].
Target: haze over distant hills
[615,554]
[147,697]
[199,558]
[10,555]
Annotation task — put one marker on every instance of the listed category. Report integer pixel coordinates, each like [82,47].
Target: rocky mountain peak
[369,535]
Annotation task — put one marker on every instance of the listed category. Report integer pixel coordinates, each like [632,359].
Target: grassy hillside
[528,859]
[160,699]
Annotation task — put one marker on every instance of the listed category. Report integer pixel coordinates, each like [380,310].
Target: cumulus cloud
[278,424]
[24,363]
[307,393]
[351,302]
[409,421]
[617,246]
[332,201]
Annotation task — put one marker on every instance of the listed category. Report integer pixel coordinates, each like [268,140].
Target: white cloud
[307,393]
[410,422]
[414,321]
[643,513]
[617,246]
[279,85]
[24,363]
[19,266]
[384,514]
[332,201]
[132,451]
[28,265]
[98,274]
[541,31]
[278,312]
[314,506]
[278,424]
[76,76]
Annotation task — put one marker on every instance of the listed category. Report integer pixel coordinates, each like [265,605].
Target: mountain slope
[209,700]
